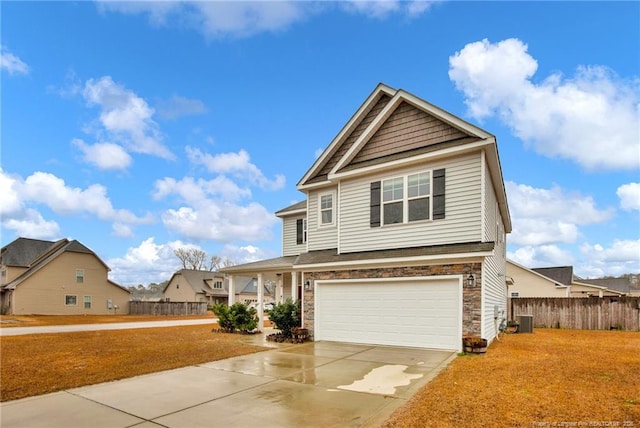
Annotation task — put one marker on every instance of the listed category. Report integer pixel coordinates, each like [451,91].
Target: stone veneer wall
[471,296]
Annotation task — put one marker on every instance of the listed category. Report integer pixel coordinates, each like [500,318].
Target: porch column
[294,286]
[279,297]
[232,290]
[260,300]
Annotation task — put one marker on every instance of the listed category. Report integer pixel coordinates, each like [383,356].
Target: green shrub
[285,316]
[244,318]
[237,317]
[224,317]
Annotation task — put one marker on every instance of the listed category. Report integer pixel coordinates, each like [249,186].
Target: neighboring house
[626,285]
[187,285]
[401,237]
[57,278]
[527,282]
[550,282]
[582,289]
[249,293]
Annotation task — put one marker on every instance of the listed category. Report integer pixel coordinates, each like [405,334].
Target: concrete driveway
[323,384]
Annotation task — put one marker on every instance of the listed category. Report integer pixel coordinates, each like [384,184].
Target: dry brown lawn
[41,363]
[40,320]
[576,377]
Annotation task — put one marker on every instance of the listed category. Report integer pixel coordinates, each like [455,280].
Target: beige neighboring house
[57,278]
[401,234]
[525,282]
[627,285]
[555,281]
[187,285]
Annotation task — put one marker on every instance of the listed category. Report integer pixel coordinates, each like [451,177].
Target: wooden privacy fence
[591,313]
[167,308]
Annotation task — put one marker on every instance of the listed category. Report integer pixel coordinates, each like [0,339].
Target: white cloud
[541,256]
[52,191]
[245,254]
[31,224]
[178,106]
[591,118]
[193,191]
[247,18]
[11,202]
[221,221]
[219,18]
[146,263]
[126,117]
[104,155]
[11,63]
[122,230]
[548,216]
[623,256]
[629,195]
[41,188]
[239,164]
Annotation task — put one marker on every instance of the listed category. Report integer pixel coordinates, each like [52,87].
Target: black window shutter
[374,219]
[299,231]
[438,194]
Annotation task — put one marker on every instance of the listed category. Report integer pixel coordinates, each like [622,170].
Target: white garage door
[424,313]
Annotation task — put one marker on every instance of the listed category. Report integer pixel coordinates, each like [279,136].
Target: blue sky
[138,128]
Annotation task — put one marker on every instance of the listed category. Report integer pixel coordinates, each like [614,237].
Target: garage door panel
[424,313]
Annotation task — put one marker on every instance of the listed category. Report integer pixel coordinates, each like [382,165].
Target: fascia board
[413,159]
[290,213]
[546,278]
[395,261]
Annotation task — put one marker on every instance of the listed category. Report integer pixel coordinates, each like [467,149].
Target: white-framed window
[217,284]
[70,300]
[326,209]
[515,294]
[79,276]
[87,302]
[393,200]
[414,204]
[418,196]
[304,230]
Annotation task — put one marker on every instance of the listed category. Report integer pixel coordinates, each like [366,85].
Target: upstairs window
[79,276]
[392,201]
[419,191]
[326,209]
[301,231]
[406,199]
[87,302]
[217,284]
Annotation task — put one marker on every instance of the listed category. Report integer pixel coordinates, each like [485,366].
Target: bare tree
[218,263]
[191,258]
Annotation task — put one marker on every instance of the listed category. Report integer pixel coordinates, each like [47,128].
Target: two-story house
[57,278]
[401,237]
[188,285]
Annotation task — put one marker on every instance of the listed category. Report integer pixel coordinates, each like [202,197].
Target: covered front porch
[288,282]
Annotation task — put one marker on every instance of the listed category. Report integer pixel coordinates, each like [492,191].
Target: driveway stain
[382,380]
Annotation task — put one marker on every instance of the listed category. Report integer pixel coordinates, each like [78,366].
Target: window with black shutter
[301,231]
[406,199]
